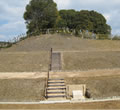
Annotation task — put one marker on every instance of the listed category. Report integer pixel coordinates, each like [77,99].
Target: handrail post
[51,59]
[50,64]
[48,74]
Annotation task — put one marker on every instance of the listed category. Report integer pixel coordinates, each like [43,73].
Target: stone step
[56,96]
[56,99]
[56,88]
[61,90]
[55,82]
[56,85]
[55,79]
[57,92]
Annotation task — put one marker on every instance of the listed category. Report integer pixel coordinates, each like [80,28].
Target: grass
[21,90]
[91,60]
[38,61]
[24,61]
[99,87]
[61,43]
[31,55]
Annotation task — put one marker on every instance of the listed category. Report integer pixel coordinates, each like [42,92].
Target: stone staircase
[56,89]
[56,61]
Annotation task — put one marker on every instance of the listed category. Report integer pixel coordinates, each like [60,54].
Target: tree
[85,20]
[43,14]
[61,23]
[100,25]
[40,14]
[82,21]
[68,16]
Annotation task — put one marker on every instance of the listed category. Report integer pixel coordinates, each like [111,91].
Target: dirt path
[22,75]
[83,51]
[89,73]
[67,74]
[68,106]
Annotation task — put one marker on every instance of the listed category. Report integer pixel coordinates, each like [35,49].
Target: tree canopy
[40,14]
[85,20]
[43,14]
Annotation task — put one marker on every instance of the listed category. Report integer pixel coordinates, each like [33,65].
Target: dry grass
[100,87]
[12,90]
[91,60]
[62,43]
[27,55]
[24,61]
[83,74]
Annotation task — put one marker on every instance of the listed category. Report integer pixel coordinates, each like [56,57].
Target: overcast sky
[12,22]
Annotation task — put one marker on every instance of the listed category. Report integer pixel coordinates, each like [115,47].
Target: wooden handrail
[50,63]
[46,84]
[48,75]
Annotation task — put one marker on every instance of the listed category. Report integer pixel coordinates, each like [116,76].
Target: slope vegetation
[62,43]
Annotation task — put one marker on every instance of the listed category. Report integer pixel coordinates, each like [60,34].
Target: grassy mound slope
[100,87]
[24,61]
[63,43]
[91,60]
[21,90]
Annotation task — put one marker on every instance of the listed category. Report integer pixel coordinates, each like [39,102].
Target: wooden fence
[66,31]
[63,31]
[12,41]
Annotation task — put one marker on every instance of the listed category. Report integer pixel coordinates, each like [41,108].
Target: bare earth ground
[21,90]
[24,61]
[89,73]
[23,75]
[66,106]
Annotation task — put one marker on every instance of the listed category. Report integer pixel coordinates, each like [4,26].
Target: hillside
[62,43]
[83,61]
[32,54]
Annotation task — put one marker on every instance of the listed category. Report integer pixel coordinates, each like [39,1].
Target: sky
[12,23]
